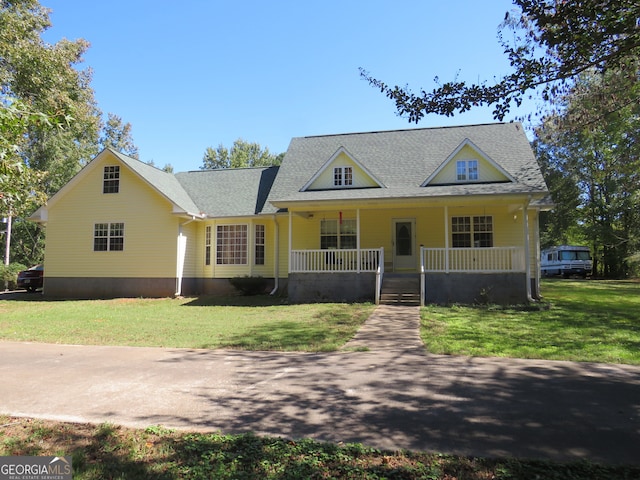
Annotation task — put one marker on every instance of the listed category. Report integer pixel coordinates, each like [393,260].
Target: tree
[555,41]
[594,169]
[117,136]
[41,89]
[242,154]
[45,78]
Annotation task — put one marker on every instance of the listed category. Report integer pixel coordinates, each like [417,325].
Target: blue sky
[197,73]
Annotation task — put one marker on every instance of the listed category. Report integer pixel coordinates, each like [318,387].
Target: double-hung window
[207,245]
[259,245]
[335,234]
[466,170]
[231,244]
[108,237]
[342,176]
[111,179]
[467,232]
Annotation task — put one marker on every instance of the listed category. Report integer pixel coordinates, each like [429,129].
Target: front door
[404,244]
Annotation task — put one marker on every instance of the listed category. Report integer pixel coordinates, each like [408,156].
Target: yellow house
[432,215]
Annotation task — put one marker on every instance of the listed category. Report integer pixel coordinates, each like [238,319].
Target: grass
[251,323]
[109,451]
[579,320]
[587,321]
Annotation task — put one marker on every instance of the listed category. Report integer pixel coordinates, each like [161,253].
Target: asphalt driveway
[391,396]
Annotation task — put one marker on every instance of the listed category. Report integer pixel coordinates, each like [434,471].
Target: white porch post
[290,236]
[446,239]
[527,249]
[358,240]
[537,251]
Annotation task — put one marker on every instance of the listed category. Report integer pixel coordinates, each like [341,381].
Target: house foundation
[509,288]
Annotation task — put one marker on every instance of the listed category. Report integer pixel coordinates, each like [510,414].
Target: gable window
[111,179]
[231,245]
[335,234]
[108,237]
[342,176]
[259,245]
[466,170]
[207,245]
[467,232]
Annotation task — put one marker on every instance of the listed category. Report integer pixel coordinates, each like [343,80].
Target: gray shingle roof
[229,192]
[166,183]
[403,159]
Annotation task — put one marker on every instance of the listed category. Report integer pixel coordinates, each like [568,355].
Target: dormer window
[111,179]
[466,170]
[342,176]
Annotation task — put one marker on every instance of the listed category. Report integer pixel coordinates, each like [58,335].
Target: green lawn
[252,323]
[110,451]
[591,321]
[580,320]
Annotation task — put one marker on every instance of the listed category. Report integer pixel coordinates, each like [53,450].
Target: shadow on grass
[109,451]
[236,301]
[196,301]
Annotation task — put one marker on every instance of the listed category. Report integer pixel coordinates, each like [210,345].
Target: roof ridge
[229,169]
[442,127]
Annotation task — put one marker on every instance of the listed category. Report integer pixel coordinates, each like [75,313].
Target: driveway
[382,390]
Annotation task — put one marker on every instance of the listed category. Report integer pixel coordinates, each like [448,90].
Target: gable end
[468,164]
[342,171]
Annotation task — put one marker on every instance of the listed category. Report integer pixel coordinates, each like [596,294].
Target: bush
[249,285]
[9,275]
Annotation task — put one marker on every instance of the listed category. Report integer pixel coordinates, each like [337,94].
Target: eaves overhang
[395,201]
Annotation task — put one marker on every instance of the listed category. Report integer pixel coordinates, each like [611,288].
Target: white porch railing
[480,260]
[328,261]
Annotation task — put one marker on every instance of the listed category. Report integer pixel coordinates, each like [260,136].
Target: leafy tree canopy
[117,135]
[554,42]
[593,171]
[243,154]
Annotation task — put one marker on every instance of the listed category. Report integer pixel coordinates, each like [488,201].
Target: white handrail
[335,260]
[480,260]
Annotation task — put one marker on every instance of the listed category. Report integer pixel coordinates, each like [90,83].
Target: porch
[465,275]
[431,260]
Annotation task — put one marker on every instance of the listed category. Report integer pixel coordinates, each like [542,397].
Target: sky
[199,73]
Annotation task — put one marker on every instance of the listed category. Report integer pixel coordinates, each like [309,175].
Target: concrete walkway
[382,390]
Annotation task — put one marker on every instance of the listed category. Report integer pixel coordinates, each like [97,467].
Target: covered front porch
[472,253]
[464,275]
[459,254]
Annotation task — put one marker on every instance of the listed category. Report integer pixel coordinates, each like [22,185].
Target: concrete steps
[400,289]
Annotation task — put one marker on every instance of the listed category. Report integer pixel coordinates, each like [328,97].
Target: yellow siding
[325,179]
[190,231]
[150,230]
[376,225]
[486,171]
[249,268]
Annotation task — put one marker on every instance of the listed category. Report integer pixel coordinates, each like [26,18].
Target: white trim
[329,162]
[466,142]
[248,243]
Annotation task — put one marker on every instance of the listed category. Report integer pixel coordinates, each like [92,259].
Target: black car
[31,279]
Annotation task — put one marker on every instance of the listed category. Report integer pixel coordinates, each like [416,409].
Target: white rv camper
[566,260]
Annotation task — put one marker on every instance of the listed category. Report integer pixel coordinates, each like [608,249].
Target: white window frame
[113,235]
[467,170]
[477,229]
[207,245]
[232,244]
[343,176]
[111,179]
[341,231]
[259,247]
